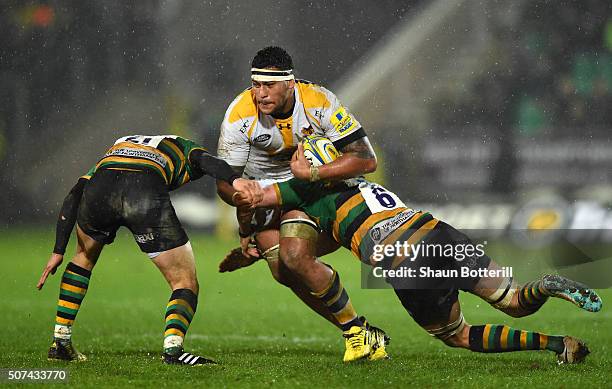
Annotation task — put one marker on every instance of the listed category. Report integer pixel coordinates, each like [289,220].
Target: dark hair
[272,56]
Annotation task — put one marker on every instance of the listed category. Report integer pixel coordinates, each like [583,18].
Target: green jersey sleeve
[297,193]
[187,146]
[89,173]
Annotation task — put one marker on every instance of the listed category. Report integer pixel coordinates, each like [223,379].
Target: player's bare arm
[269,199]
[244,214]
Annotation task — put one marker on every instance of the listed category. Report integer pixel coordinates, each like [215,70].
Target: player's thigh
[88,250]
[326,244]
[498,290]
[150,216]
[494,286]
[265,223]
[464,260]
[177,265]
[436,310]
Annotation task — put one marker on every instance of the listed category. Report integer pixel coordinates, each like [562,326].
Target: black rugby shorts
[137,200]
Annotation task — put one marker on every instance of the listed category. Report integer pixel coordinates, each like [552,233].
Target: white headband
[264,75]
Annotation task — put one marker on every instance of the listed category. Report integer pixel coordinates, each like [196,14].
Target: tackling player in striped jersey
[129,186]
[363,216]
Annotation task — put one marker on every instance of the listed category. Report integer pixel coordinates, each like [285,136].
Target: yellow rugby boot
[357,342]
[378,340]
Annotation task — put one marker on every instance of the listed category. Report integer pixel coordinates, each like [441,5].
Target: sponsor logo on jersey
[138,153]
[263,137]
[342,121]
[375,234]
[383,229]
[283,126]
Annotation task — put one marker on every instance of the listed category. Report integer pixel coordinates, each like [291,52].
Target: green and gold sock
[490,338]
[73,288]
[531,296]
[179,313]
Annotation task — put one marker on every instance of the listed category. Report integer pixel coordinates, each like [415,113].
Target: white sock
[173,341]
[62,332]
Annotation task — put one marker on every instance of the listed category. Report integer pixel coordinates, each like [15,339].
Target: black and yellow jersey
[264,143]
[358,216]
[167,155]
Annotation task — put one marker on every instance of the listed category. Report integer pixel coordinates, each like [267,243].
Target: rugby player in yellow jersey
[260,131]
[364,217]
[129,186]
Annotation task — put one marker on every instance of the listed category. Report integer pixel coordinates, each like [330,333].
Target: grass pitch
[259,332]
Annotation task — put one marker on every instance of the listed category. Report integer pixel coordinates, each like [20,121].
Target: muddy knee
[298,241]
[502,298]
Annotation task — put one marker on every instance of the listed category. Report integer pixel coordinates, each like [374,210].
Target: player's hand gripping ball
[319,150]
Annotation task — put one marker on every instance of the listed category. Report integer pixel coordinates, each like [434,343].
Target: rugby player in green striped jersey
[129,186]
[363,217]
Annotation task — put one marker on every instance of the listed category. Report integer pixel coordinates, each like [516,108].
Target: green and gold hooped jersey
[167,155]
[359,216]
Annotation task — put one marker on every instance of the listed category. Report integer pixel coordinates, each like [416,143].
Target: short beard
[280,110]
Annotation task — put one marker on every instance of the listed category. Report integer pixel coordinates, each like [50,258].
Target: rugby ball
[319,150]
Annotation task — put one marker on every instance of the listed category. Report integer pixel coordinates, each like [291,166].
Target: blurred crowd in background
[551,70]
[74,76]
[542,99]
